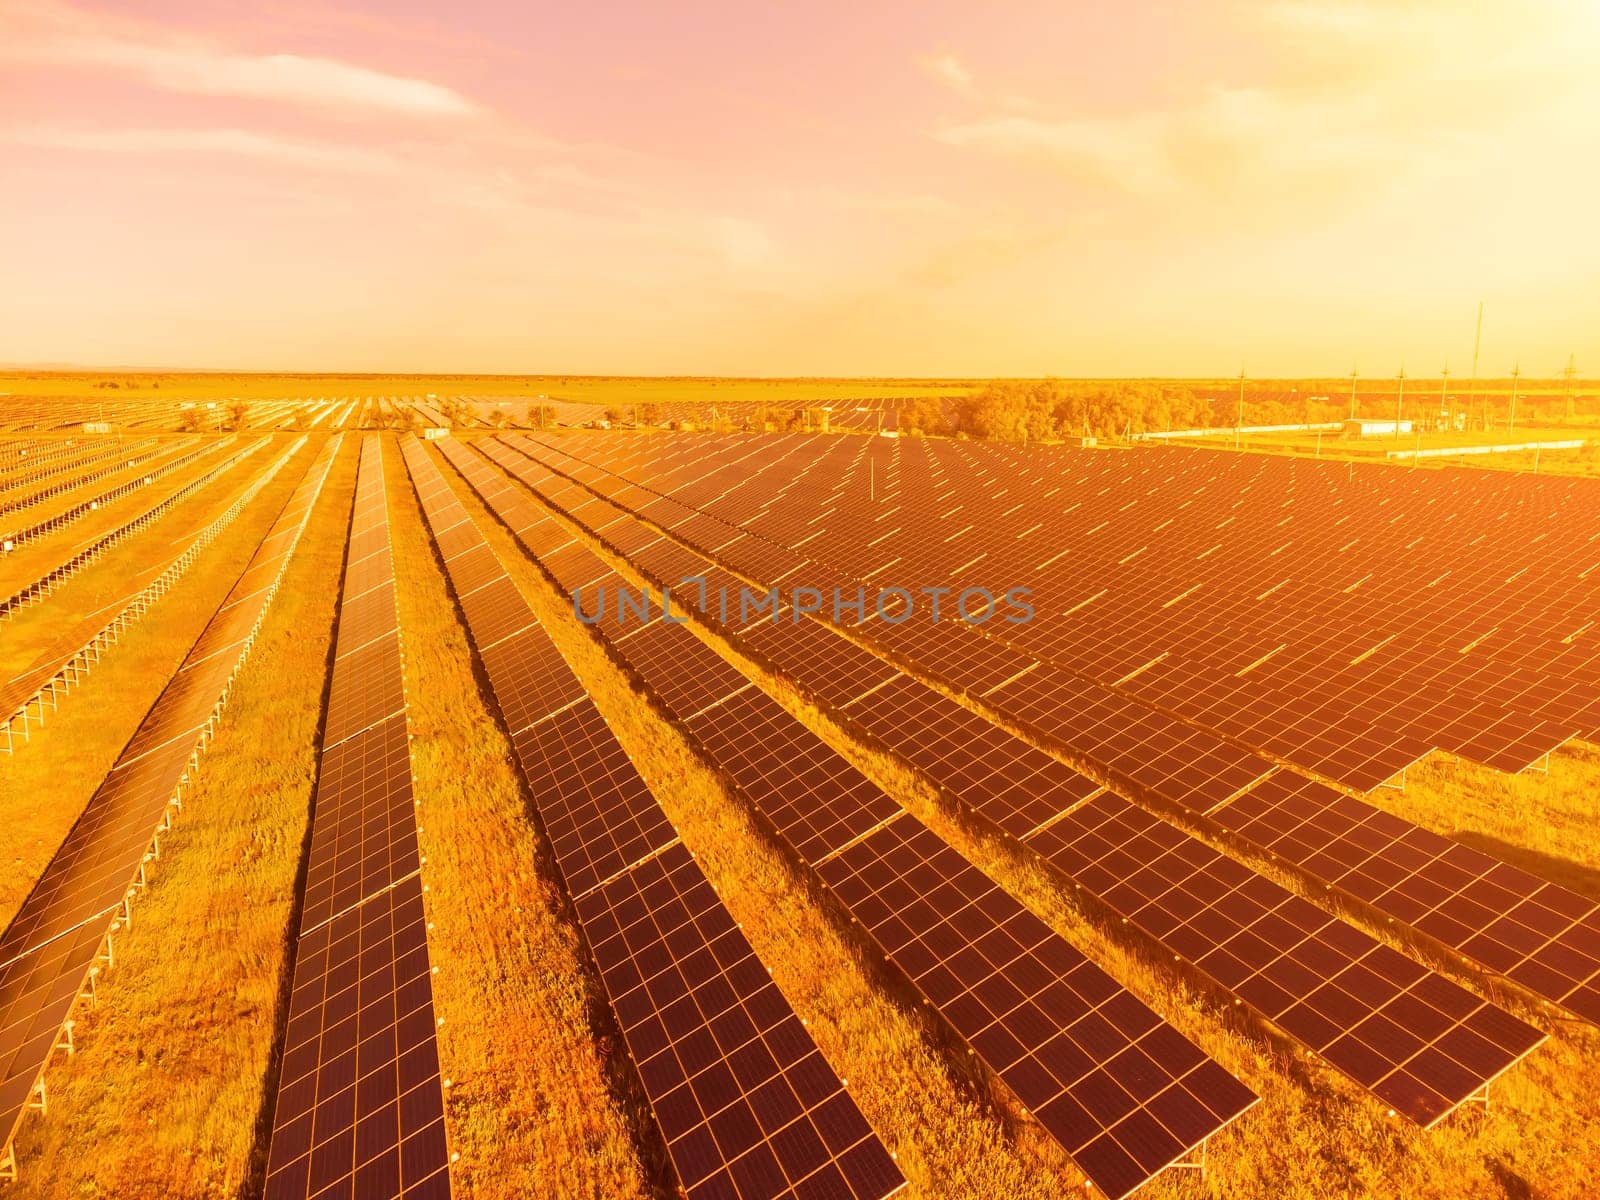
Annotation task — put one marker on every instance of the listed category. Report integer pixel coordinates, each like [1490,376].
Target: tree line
[1016,410]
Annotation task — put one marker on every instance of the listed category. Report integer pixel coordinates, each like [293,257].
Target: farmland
[359,855]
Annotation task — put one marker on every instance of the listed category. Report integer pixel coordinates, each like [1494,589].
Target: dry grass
[162,1096]
[1542,822]
[531,1111]
[1314,1134]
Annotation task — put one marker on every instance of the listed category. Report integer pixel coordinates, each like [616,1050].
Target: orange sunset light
[1021,188]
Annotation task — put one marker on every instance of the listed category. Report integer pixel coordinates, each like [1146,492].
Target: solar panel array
[1146,751]
[67,920]
[78,648]
[20,491]
[360,1104]
[25,461]
[28,533]
[744,1101]
[86,552]
[1393,1026]
[1118,1087]
[1341,618]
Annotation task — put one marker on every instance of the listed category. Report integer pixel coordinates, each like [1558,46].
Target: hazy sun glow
[1020,188]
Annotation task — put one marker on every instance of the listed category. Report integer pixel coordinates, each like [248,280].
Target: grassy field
[1314,1134]
[1582,461]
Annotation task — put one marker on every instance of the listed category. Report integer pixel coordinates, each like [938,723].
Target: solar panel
[744,1101]
[1418,1041]
[598,813]
[359,1109]
[63,925]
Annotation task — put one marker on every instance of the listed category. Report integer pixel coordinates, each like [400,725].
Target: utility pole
[1511,420]
[1444,398]
[1472,383]
[1400,402]
[1353,393]
[1569,374]
[1238,425]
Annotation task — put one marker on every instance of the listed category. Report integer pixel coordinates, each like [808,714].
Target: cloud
[239,142]
[1369,96]
[950,71]
[1126,151]
[57,35]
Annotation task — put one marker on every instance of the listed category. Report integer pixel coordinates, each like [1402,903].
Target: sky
[833,187]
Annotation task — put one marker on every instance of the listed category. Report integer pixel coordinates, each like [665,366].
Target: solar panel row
[359,1110]
[1121,1090]
[744,1101]
[1394,1027]
[65,924]
[1544,936]
[26,461]
[78,647]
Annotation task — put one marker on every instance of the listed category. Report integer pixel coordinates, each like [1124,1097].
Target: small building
[434,433]
[97,426]
[1368,427]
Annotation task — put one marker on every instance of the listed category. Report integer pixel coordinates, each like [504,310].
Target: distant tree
[499,419]
[239,414]
[613,416]
[924,415]
[649,414]
[190,418]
